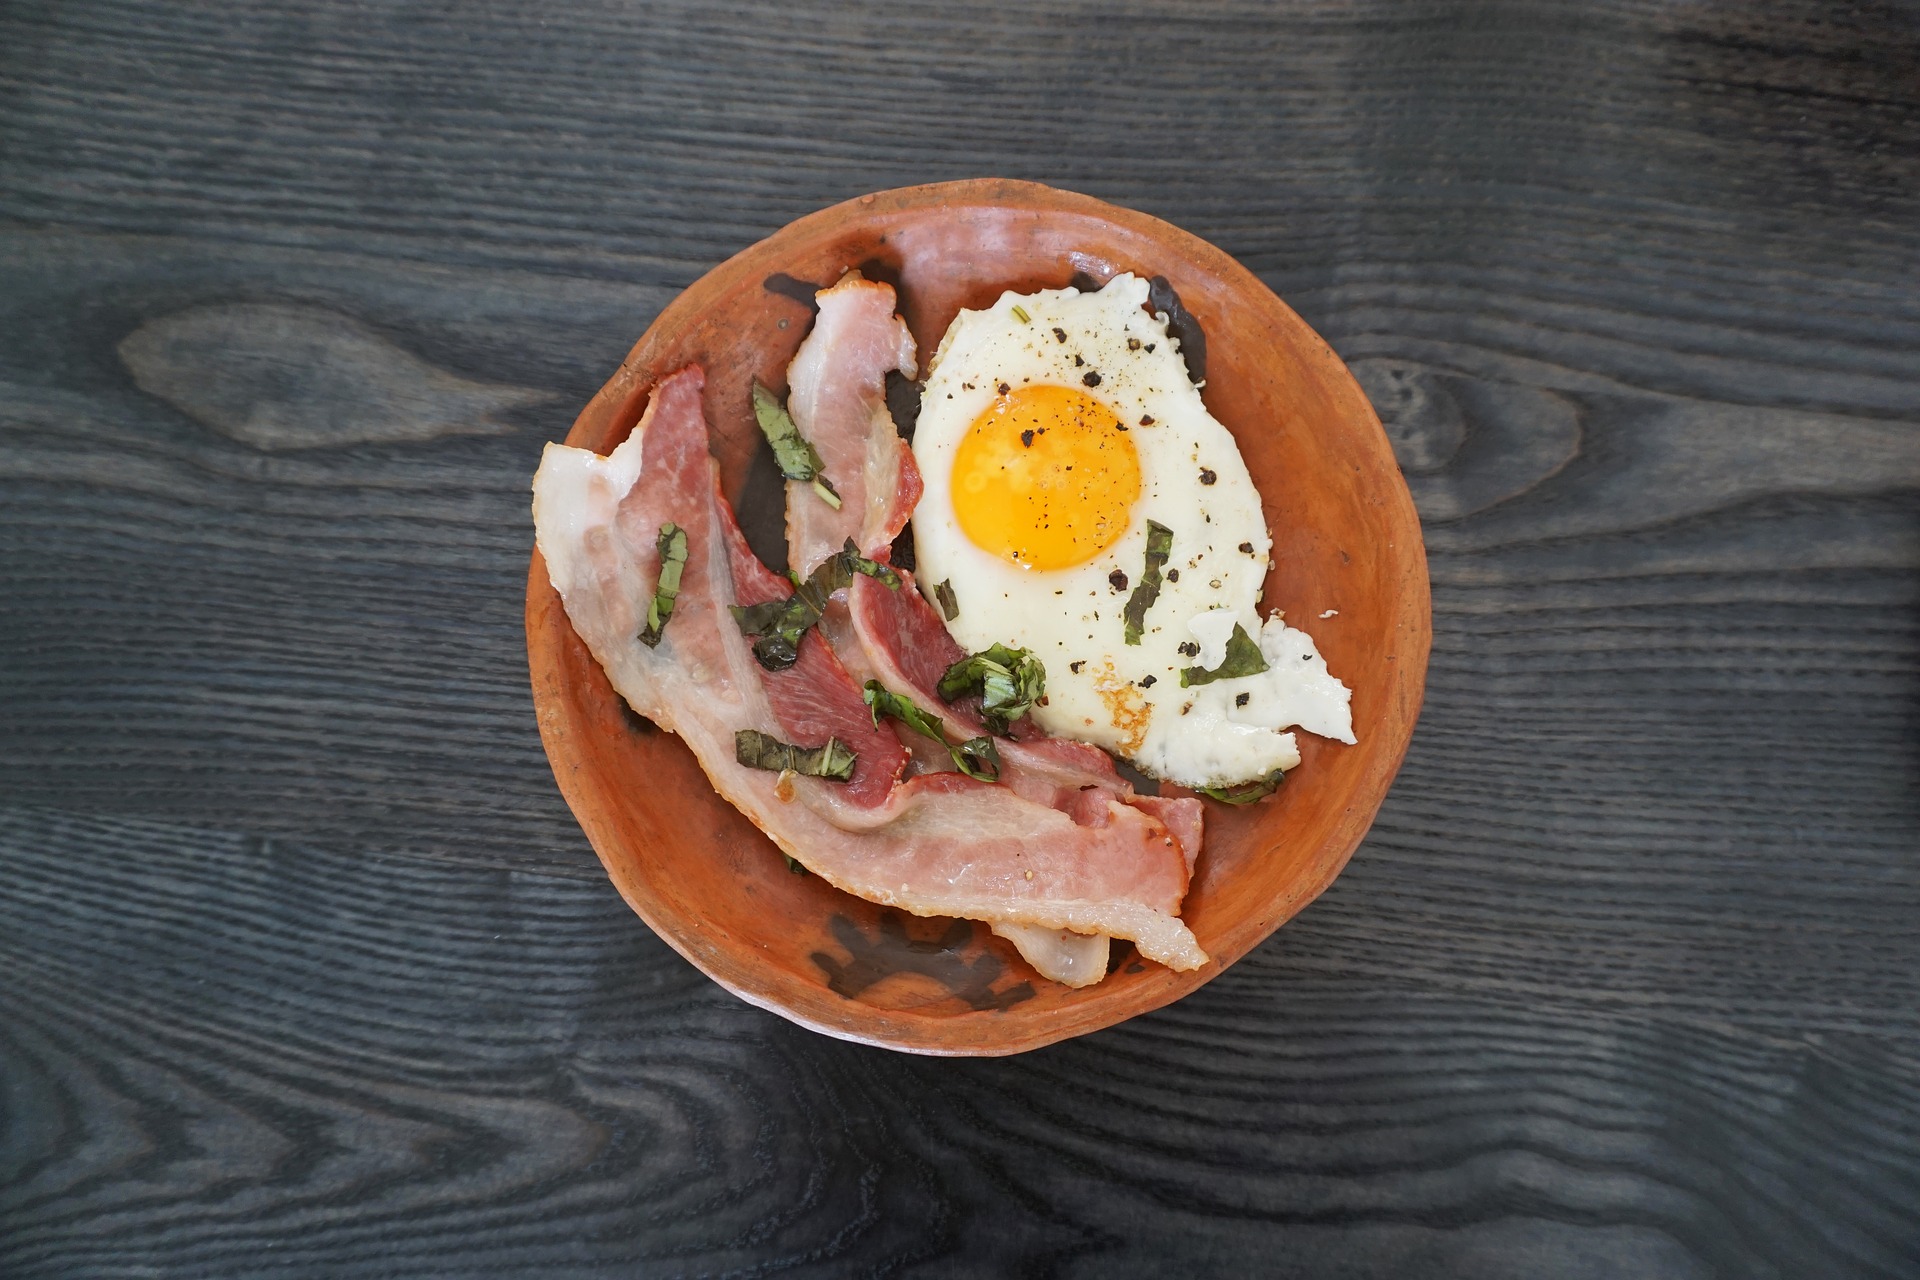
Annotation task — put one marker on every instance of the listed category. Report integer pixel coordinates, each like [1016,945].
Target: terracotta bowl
[1345,538]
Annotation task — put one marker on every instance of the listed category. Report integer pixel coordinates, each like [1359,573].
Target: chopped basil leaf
[775,626]
[1243,659]
[856,563]
[673,559]
[976,757]
[884,702]
[1159,547]
[758,750]
[1020,314]
[797,458]
[948,605]
[1248,792]
[794,865]
[1009,682]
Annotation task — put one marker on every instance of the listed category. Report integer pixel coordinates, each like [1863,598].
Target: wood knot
[279,376]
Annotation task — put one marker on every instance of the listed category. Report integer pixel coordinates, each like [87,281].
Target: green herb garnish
[1248,792]
[1159,547]
[673,558]
[797,459]
[1009,682]
[976,757]
[775,626]
[758,750]
[1243,659]
[1020,314]
[849,561]
[884,702]
[948,605]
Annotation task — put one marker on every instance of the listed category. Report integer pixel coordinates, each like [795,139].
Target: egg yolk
[1045,478]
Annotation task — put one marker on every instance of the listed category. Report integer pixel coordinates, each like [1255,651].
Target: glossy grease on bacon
[837,396]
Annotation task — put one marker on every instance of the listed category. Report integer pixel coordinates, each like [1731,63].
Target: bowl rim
[622,394]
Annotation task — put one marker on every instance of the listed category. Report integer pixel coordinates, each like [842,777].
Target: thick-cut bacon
[837,394]
[938,844]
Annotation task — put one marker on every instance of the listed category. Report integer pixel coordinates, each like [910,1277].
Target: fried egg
[1056,429]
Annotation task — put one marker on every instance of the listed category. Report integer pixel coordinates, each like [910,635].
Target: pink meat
[939,844]
[815,699]
[908,648]
[1181,815]
[837,394]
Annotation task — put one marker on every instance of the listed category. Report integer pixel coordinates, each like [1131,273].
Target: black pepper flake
[1146,419]
[1150,346]
[1241,699]
[1004,388]
[1173,575]
[1092,379]
[1246,548]
[1060,335]
[1133,344]
[966,386]
[1026,438]
[1207,476]
[1119,579]
[1147,682]
[1189,649]
[1075,666]
[1078,361]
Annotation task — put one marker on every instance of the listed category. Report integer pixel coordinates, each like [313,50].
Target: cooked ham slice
[837,394]
[937,844]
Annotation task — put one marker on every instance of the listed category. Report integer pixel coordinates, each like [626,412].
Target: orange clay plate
[1345,537]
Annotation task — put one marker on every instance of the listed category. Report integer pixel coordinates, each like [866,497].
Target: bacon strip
[938,844]
[837,394]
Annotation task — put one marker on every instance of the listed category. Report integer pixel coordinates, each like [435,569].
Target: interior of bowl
[1347,564]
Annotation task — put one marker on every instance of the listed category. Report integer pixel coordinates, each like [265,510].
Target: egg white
[1125,698]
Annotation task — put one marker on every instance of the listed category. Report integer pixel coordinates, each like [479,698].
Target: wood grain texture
[305,969]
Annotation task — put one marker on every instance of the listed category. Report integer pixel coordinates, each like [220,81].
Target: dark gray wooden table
[305,968]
